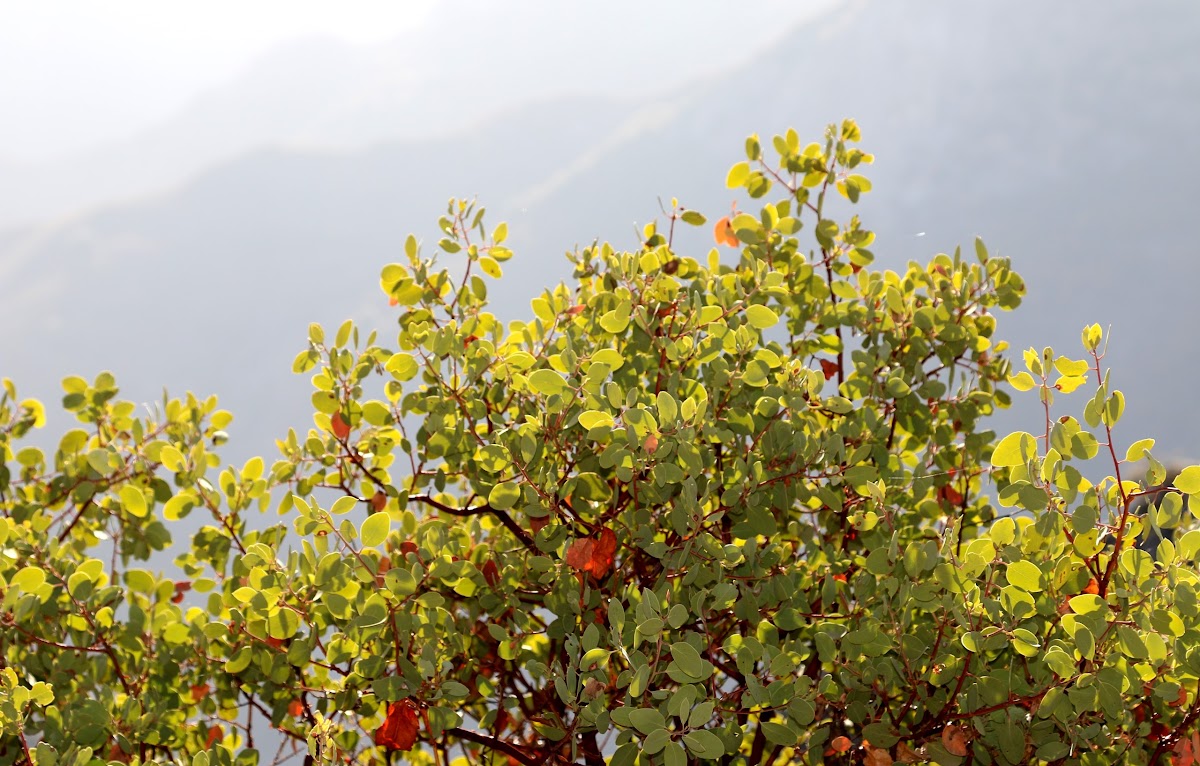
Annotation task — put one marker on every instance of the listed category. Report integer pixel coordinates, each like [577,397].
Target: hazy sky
[75,74]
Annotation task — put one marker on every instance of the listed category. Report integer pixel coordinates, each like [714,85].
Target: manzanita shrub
[724,507]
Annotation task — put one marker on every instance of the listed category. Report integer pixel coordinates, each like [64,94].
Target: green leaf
[375,528]
[704,744]
[504,496]
[693,218]
[647,720]
[778,734]
[282,623]
[688,659]
[547,382]
[402,366]
[668,408]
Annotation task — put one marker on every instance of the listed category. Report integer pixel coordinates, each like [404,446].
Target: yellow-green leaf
[547,382]
[402,366]
[1138,450]
[1014,449]
[760,316]
[133,501]
[375,528]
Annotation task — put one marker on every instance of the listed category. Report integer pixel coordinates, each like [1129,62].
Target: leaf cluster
[693,508]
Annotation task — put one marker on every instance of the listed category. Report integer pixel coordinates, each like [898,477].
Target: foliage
[691,510]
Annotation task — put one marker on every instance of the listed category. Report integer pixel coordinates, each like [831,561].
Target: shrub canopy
[724,506]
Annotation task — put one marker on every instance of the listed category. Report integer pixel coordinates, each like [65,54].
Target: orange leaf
[1181,700]
[379,501]
[1092,587]
[400,727]
[650,444]
[723,233]
[340,428]
[199,692]
[877,756]
[576,309]
[274,643]
[829,368]
[393,301]
[955,740]
[595,556]
[840,744]
[295,708]
[603,553]
[905,754]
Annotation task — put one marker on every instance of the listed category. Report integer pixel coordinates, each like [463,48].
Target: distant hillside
[1067,134]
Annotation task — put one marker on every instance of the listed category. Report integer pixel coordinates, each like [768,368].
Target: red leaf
[501,722]
[491,573]
[579,555]
[340,428]
[215,734]
[950,495]
[1183,753]
[295,708]
[379,501]
[576,309]
[400,727]
[199,692]
[723,233]
[829,368]
[536,523]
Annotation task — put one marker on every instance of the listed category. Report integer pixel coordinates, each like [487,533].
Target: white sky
[130,63]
